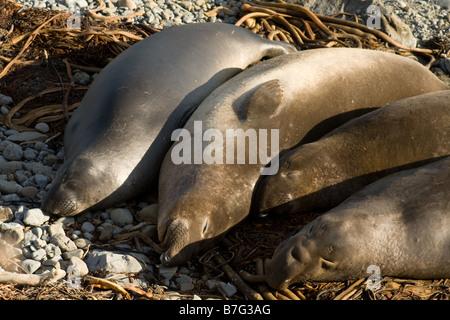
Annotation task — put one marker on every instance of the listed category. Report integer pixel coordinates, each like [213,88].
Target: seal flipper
[265,100]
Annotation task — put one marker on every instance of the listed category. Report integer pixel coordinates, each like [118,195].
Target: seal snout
[67,207]
[289,263]
[274,277]
[165,259]
[174,238]
[270,197]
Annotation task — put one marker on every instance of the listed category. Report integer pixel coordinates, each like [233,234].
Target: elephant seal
[399,224]
[302,95]
[118,136]
[320,175]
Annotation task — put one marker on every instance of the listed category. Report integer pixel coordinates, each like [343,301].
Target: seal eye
[205,226]
[70,184]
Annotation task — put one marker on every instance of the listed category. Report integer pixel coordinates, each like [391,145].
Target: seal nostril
[296,253]
[164,257]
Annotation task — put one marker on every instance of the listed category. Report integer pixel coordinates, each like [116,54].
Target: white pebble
[30,265]
[35,217]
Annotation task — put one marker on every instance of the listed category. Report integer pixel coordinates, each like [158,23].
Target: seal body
[118,136]
[320,175]
[302,95]
[399,224]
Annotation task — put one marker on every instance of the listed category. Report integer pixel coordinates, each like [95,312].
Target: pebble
[81,78]
[35,217]
[30,154]
[82,243]
[55,229]
[28,192]
[121,216]
[80,266]
[212,284]
[4,110]
[40,180]
[184,282]
[10,167]
[149,213]
[107,232]
[13,152]
[5,100]
[7,187]
[227,288]
[5,214]
[52,251]
[167,272]
[75,253]
[112,261]
[65,220]
[27,136]
[445,64]
[130,4]
[12,232]
[42,127]
[51,263]
[39,254]
[63,242]
[31,235]
[30,265]
[87,227]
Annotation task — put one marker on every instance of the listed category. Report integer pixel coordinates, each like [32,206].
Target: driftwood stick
[251,277]
[142,236]
[108,285]
[248,292]
[288,293]
[265,291]
[32,279]
[344,295]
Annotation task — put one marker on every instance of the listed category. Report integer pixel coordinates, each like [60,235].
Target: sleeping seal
[320,175]
[399,224]
[302,95]
[117,138]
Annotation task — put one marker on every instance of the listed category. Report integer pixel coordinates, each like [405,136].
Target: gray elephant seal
[320,175]
[400,224]
[118,136]
[302,95]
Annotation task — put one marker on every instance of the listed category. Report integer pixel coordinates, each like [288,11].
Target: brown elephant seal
[320,175]
[118,136]
[298,97]
[399,224]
